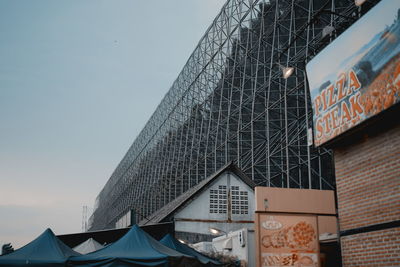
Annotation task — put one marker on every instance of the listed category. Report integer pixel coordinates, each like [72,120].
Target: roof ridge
[175,204]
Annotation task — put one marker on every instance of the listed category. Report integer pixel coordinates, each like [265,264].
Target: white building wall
[196,216]
[203,247]
[232,245]
[199,207]
[203,227]
[235,181]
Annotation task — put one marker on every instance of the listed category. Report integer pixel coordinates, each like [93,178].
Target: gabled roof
[180,201]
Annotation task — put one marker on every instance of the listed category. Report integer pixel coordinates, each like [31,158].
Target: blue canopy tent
[135,248]
[171,242]
[45,250]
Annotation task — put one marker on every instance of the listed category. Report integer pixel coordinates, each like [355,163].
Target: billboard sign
[358,75]
[288,240]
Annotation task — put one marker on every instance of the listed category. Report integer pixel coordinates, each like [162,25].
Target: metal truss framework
[231,103]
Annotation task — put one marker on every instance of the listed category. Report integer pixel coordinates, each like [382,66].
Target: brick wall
[378,248]
[368,193]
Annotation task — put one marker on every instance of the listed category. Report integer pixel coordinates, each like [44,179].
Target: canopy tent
[135,248]
[88,246]
[45,250]
[171,242]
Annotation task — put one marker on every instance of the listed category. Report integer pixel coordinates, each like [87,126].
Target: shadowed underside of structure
[231,103]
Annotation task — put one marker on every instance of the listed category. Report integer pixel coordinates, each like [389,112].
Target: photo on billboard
[357,76]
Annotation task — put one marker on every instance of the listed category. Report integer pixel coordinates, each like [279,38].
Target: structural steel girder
[231,103]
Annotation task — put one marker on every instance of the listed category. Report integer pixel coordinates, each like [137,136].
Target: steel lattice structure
[231,103]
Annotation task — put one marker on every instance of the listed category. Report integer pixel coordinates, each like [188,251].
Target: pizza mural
[289,240]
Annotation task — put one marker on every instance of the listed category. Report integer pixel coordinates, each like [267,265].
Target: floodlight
[216,231]
[359,2]
[287,72]
[182,241]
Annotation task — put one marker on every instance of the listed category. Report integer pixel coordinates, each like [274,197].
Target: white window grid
[219,200]
[240,201]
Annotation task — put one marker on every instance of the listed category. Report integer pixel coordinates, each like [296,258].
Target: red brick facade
[378,248]
[368,193]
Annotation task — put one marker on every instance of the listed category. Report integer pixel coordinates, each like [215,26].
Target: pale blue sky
[78,81]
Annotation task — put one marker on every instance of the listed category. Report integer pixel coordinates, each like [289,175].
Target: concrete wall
[368,194]
[307,201]
[292,200]
[316,205]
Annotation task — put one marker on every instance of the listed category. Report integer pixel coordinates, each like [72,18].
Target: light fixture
[359,2]
[266,203]
[216,231]
[182,241]
[286,71]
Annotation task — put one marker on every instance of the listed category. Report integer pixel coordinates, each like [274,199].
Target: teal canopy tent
[45,250]
[135,248]
[171,242]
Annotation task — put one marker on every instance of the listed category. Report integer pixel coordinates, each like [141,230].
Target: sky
[78,81]
[351,41]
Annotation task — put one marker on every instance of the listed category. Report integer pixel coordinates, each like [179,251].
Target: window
[240,201]
[218,200]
